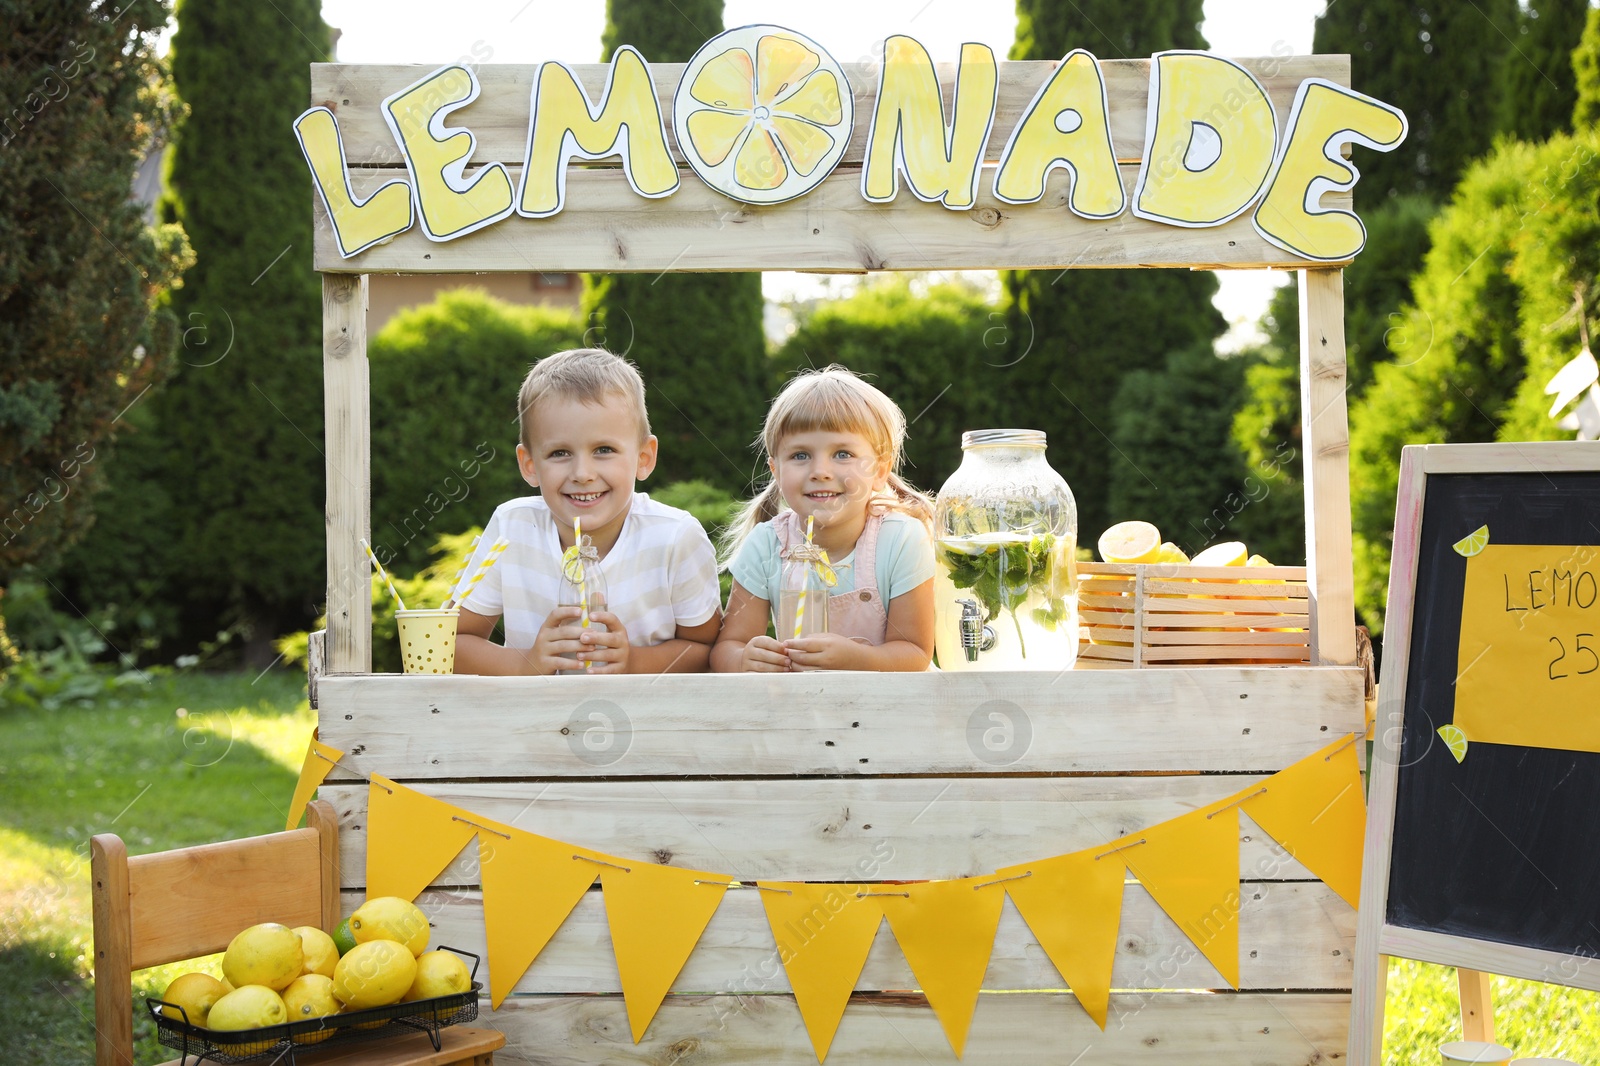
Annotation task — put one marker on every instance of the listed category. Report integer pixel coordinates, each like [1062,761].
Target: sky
[529,31]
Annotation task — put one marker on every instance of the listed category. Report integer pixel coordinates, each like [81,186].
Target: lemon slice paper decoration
[763,114]
[1454,739]
[1473,542]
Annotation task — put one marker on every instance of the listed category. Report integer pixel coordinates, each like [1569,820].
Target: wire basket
[281,1043]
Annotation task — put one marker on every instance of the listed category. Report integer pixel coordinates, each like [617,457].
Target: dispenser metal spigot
[975,635]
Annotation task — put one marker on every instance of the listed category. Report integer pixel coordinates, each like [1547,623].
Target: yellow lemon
[267,954]
[391,918]
[322,955]
[195,993]
[1473,542]
[311,996]
[247,1007]
[763,114]
[1130,542]
[1455,740]
[1228,553]
[1257,560]
[1170,553]
[439,973]
[374,974]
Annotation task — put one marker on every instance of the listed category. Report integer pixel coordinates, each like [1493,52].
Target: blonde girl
[832,444]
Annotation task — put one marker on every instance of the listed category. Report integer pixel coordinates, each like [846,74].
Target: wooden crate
[1164,614]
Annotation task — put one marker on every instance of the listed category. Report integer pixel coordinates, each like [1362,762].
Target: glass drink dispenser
[1006,529]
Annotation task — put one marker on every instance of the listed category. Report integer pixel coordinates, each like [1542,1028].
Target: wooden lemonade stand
[823,777]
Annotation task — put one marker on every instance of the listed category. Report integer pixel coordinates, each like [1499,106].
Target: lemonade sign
[763,115]
[1528,672]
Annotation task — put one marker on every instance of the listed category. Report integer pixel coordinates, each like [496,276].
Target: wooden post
[1477,1005]
[113,952]
[321,817]
[346,405]
[1325,438]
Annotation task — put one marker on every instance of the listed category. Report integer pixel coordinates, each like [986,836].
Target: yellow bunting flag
[1190,865]
[319,760]
[1073,904]
[656,915]
[824,933]
[1317,810]
[946,929]
[530,885]
[410,838]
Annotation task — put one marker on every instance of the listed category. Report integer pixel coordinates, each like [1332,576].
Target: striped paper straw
[455,582]
[385,575]
[495,551]
[800,600]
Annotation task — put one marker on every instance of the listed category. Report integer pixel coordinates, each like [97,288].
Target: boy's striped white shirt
[661,573]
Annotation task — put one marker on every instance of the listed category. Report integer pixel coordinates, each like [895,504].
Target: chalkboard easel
[1483,833]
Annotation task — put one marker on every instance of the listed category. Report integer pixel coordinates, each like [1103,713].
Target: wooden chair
[175,905]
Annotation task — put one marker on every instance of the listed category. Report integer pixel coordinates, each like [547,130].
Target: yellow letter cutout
[357,224]
[909,132]
[626,122]
[450,205]
[1325,117]
[1210,135]
[1065,126]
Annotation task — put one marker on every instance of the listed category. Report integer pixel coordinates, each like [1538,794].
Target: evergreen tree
[1515,261]
[222,509]
[1161,420]
[1586,74]
[79,268]
[926,347]
[697,339]
[1439,61]
[1073,335]
[1539,89]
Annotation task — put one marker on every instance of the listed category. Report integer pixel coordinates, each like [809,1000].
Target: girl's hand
[606,651]
[765,655]
[826,651]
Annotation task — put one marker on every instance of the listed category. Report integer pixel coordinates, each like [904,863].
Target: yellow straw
[455,582]
[385,575]
[583,577]
[495,551]
[800,599]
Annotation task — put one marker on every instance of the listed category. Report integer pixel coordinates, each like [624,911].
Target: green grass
[186,759]
[195,758]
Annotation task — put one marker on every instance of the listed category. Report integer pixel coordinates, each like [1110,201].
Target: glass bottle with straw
[583,585]
[801,609]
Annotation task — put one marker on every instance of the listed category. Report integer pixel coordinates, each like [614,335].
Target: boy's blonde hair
[833,399]
[585,374]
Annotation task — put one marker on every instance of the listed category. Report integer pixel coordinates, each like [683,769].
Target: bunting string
[1189,865]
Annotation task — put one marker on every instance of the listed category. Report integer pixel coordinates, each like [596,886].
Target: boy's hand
[763,654]
[606,650]
[826,651]
[557,645]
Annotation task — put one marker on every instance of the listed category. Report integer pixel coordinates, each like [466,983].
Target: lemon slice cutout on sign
[1454,738]
[1473,542]
[763,114]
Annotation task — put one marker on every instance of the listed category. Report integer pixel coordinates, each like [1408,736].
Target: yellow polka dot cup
[428,640]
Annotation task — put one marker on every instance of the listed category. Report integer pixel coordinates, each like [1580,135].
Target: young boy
[585,440]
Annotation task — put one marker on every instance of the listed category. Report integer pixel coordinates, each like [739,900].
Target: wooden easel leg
[1477,1005]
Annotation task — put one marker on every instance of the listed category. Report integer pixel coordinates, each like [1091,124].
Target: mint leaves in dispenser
[1006,538]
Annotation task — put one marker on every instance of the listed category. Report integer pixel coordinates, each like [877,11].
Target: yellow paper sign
[1528,671]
